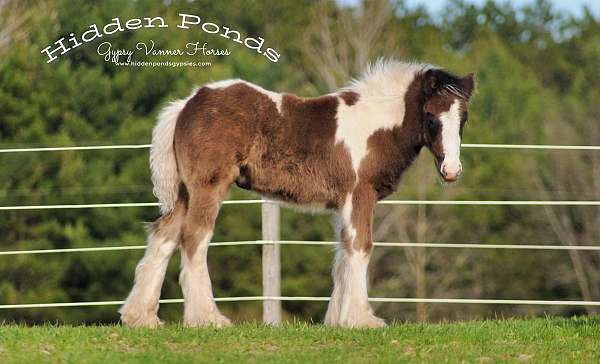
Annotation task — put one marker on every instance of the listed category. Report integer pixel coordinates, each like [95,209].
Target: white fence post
[271,263]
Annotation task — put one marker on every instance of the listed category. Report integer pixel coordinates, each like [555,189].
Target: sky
[573,6]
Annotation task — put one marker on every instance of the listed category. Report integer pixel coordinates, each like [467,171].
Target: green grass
[528,340]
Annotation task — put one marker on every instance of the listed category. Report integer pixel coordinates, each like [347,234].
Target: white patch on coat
[347,218]
[451,138]
[380,105]
[224,83]
[274,96]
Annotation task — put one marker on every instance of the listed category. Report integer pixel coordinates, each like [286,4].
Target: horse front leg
[349,305]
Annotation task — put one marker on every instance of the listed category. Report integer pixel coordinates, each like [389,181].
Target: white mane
[386,77]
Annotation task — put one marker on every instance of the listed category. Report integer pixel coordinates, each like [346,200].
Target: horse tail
[163,164]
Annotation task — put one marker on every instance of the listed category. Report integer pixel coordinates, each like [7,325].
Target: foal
[342,151]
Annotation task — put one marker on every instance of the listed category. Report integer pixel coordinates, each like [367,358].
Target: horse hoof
[375,322]
[217,321]
[360,321]
[141,321]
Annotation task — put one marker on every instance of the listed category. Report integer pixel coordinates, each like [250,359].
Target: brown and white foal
[342,151]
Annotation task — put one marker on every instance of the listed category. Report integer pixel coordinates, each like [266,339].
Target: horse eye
[433,126]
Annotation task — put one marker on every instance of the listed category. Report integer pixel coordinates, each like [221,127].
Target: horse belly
[287,185]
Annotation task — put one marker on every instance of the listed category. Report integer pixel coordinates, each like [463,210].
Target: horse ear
[431,82]
[467,84]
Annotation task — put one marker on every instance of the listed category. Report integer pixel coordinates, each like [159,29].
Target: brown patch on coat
[350,97]
[363,204]
[438,104]
[289,155]
[296,159]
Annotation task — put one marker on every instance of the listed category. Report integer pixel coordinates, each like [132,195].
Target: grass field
[530,340]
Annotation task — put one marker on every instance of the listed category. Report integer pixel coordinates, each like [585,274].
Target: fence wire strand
[253,202]
[292,242]
[144,146]
[591,247]
[321,299]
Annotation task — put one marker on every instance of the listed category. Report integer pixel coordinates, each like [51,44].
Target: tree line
[537,84]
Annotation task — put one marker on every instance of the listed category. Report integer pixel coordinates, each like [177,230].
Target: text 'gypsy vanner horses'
[343,151]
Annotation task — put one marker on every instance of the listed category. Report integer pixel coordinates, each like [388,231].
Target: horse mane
[387,77]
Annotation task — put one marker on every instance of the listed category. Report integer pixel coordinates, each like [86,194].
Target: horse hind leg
[141,306]
[200,308]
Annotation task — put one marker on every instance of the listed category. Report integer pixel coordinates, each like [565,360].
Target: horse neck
[409,135]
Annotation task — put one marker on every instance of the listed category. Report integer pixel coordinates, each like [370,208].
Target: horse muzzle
[450,171]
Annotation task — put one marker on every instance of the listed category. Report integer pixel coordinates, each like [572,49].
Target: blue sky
[573,6]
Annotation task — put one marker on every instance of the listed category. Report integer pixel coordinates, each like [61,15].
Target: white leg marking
[199,306]
[141,306]
[332,317]
[347,218]
[349,305]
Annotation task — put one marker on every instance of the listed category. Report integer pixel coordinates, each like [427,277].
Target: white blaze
[451,138]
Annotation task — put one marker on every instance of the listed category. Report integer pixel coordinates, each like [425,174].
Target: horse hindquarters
[193,164]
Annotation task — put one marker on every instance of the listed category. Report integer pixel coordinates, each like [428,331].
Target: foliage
[537,83]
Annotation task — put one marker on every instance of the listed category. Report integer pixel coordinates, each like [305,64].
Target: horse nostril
[449,176]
